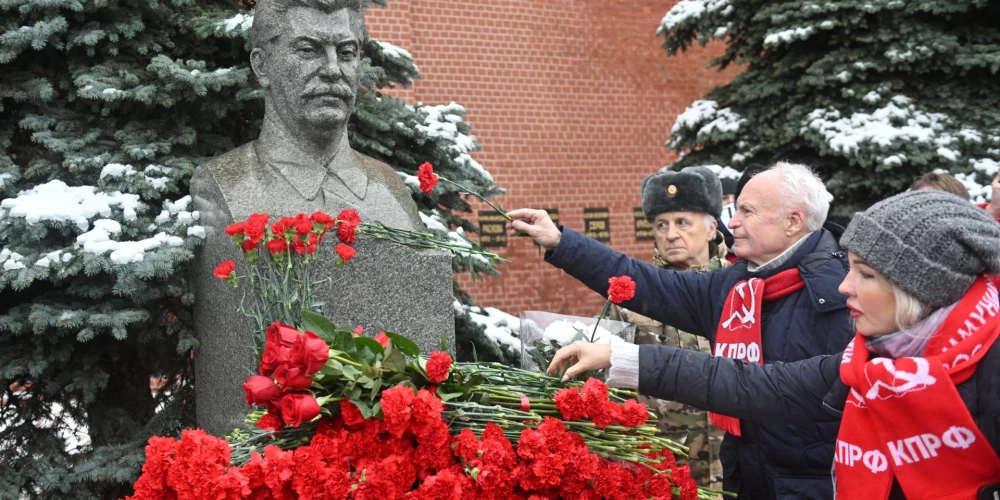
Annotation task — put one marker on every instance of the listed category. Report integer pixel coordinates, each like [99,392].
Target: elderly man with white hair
[785,283]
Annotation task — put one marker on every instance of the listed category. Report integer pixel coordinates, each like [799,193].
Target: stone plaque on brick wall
[492,232]
[643,229]
[597,223]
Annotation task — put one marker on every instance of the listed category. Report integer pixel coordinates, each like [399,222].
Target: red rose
[358,331]
[260,390]
[309,351]
[428,179]
[622,289]
[350,413]
[382,339]
[235,229]
[346,252]
[346,231]
[225,270]
[273,356]
[321,218]
[278,342]
[277,246]
[349,215]
[298,408]
[437,367]
[280,334]
[292,377]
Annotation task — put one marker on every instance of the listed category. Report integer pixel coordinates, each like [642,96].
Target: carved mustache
[341,92]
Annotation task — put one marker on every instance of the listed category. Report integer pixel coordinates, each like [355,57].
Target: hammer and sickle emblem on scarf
[901,381]
[746,315]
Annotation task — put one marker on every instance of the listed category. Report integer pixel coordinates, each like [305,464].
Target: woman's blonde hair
[909,309]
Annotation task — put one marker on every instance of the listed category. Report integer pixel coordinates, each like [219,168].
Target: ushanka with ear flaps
[692,189]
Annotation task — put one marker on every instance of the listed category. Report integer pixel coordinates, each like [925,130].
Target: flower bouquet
[337,414]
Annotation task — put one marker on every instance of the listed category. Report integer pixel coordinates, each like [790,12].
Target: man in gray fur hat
[682,206]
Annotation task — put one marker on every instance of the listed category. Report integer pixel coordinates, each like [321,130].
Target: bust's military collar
[308,179]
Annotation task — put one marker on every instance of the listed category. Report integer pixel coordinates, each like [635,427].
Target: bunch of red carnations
[408,454]
[592,401]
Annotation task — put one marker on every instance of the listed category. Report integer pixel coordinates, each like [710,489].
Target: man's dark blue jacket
[769,461]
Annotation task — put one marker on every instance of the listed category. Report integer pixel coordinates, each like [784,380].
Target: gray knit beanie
[929,243]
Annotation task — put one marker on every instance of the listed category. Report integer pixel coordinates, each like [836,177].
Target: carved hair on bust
[267,23]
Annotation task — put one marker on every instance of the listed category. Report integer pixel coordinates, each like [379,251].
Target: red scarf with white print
[905,420]
[739,333]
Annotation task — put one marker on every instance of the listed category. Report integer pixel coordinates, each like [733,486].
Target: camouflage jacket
[682,423]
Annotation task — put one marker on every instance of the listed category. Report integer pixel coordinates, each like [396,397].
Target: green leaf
[360,342]
[448,396]
[375,388]
[332,367]
[404,344]
[395,361]
[320,325]
[350,372]
[370,371]
[444,342]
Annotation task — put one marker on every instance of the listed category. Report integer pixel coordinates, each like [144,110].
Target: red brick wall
[571,101]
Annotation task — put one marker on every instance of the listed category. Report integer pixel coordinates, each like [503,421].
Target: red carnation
[347,231]
[321,218]
[428,179]
[254,227]
[397,409]
[346,252]
[382,339]
[260,390]
[309,351]
[631,414]
[225,270]
[569,404]
[350,413]
[303,224]
[284,224]
[302,248]
[249,246]
[298,408]
[349,215]
[235,228]
[622,289]
[277,246]
[437,367]
[270,423]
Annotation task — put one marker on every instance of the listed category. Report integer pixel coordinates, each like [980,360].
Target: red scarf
[905,420]
[738,335]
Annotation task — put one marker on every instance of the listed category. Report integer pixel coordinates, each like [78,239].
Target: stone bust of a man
[307,56]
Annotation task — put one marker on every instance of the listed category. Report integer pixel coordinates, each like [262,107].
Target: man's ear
[712,228]
[258,62]
[795,221]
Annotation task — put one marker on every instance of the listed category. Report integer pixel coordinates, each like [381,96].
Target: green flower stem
[477,195]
